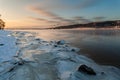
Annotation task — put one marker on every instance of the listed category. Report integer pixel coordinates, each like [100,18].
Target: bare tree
[2,24]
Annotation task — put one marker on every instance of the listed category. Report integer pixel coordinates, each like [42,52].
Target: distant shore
[63,29]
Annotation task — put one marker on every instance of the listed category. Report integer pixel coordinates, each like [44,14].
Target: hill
[102,24]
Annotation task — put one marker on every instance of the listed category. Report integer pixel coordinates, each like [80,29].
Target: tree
[2,24]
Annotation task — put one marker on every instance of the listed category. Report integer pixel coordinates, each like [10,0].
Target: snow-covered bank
[27,57]
[8,47]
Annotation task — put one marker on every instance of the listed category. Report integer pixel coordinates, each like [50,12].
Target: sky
[50,13]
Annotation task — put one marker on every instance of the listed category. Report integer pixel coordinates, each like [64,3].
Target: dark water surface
[103,46]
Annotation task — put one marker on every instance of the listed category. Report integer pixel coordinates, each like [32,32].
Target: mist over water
[103,46]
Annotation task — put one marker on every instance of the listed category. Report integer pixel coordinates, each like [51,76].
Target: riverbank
[32,58]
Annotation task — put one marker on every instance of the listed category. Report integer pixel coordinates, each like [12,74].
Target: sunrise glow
[47,13]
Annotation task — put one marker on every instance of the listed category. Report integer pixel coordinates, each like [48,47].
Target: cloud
[87,3]
[48,15]
[41,12]
[45,7]
[99,18]
[80,19]
[67,4]
[69,21]
[45,13]
[42,20]
[54,18]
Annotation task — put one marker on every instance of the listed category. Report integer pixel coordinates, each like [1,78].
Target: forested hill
[103,24]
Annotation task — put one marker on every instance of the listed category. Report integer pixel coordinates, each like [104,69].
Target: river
[103,46]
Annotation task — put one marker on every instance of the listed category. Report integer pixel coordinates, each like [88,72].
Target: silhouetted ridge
[103,24]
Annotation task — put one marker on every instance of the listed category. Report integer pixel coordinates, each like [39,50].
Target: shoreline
[64,29]
[55,59]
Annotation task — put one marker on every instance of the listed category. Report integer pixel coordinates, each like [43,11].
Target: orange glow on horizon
[25,24]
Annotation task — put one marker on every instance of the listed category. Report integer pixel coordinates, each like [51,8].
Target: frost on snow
[23,56]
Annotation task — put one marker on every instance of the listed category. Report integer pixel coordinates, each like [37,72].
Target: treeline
[103,24]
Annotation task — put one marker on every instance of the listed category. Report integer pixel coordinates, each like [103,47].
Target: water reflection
[103,46]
